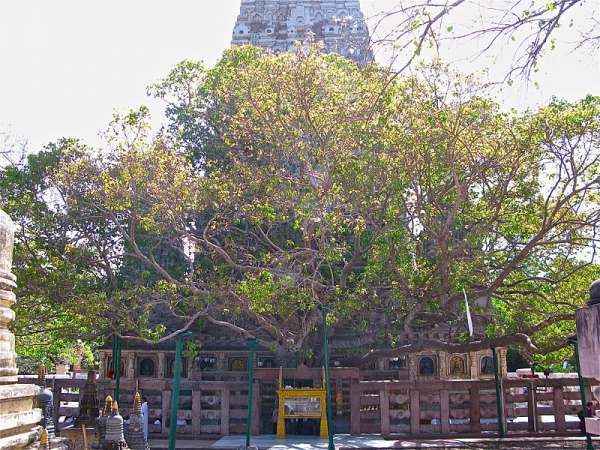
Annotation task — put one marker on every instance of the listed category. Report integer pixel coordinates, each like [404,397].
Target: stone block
[588,340]
[592,425]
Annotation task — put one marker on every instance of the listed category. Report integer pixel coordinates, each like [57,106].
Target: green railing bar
[117,366]
[175,394]
[499,393]
[324,311]
[251,343]
[588,437]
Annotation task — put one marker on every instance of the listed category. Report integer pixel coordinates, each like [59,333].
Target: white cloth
[145,416]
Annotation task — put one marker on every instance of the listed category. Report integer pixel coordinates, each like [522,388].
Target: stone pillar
[443,371]
[130,366]
[102,357]
[18,418]
[161,365]
[221,361]
[474,365]
[502,353]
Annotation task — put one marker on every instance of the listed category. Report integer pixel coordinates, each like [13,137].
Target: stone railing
[465,407]
[392,408]
[67,393]
[205,407]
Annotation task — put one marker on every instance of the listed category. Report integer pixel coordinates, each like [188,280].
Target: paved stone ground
[160,444]
[377,442]
[346,442]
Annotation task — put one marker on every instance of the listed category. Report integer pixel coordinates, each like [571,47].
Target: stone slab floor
[343,442]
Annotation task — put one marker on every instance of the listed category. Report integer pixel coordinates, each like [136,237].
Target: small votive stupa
[135,432]
[100,435]
[115,439]
[89,402]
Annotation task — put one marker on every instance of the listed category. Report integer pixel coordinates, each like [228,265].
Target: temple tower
[277,24]
[18,418]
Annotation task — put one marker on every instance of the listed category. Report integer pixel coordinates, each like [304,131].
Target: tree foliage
[527,30]
[58,280]
[287,183]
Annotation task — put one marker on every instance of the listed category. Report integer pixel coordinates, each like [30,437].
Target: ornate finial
[107,406]
[137,403]
[42,374]
[115,408]
[44,441]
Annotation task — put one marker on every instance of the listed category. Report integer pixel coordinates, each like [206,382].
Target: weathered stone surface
[89,407]
[18,418]
[592,425]
[8,366]
[73,437]
[20,441]
[135,433]
[588,340]
[6,242]
[278,24]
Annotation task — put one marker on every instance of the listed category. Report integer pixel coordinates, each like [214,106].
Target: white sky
[67,64]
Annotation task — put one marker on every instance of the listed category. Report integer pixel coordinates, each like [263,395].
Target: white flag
[469,318]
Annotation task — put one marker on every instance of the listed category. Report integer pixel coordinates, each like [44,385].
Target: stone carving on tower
[278,24]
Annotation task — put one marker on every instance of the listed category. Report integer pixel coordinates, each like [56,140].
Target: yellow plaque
[301,403]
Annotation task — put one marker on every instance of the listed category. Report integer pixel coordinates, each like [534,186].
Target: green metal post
[499,394]
[175,395]
[117,367]
[588,437]
[114,353]
[324,311]
[251,343]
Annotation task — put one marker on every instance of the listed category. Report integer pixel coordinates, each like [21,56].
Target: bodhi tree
[387,199]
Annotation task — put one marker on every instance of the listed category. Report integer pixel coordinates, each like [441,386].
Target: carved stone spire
[135,432]
[89,402]
[115,438]
[137,403]
[18,417]
[107,406]
[8,362]
[277,24]
[100,435]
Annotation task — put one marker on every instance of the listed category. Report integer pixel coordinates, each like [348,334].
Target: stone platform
[18,418]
